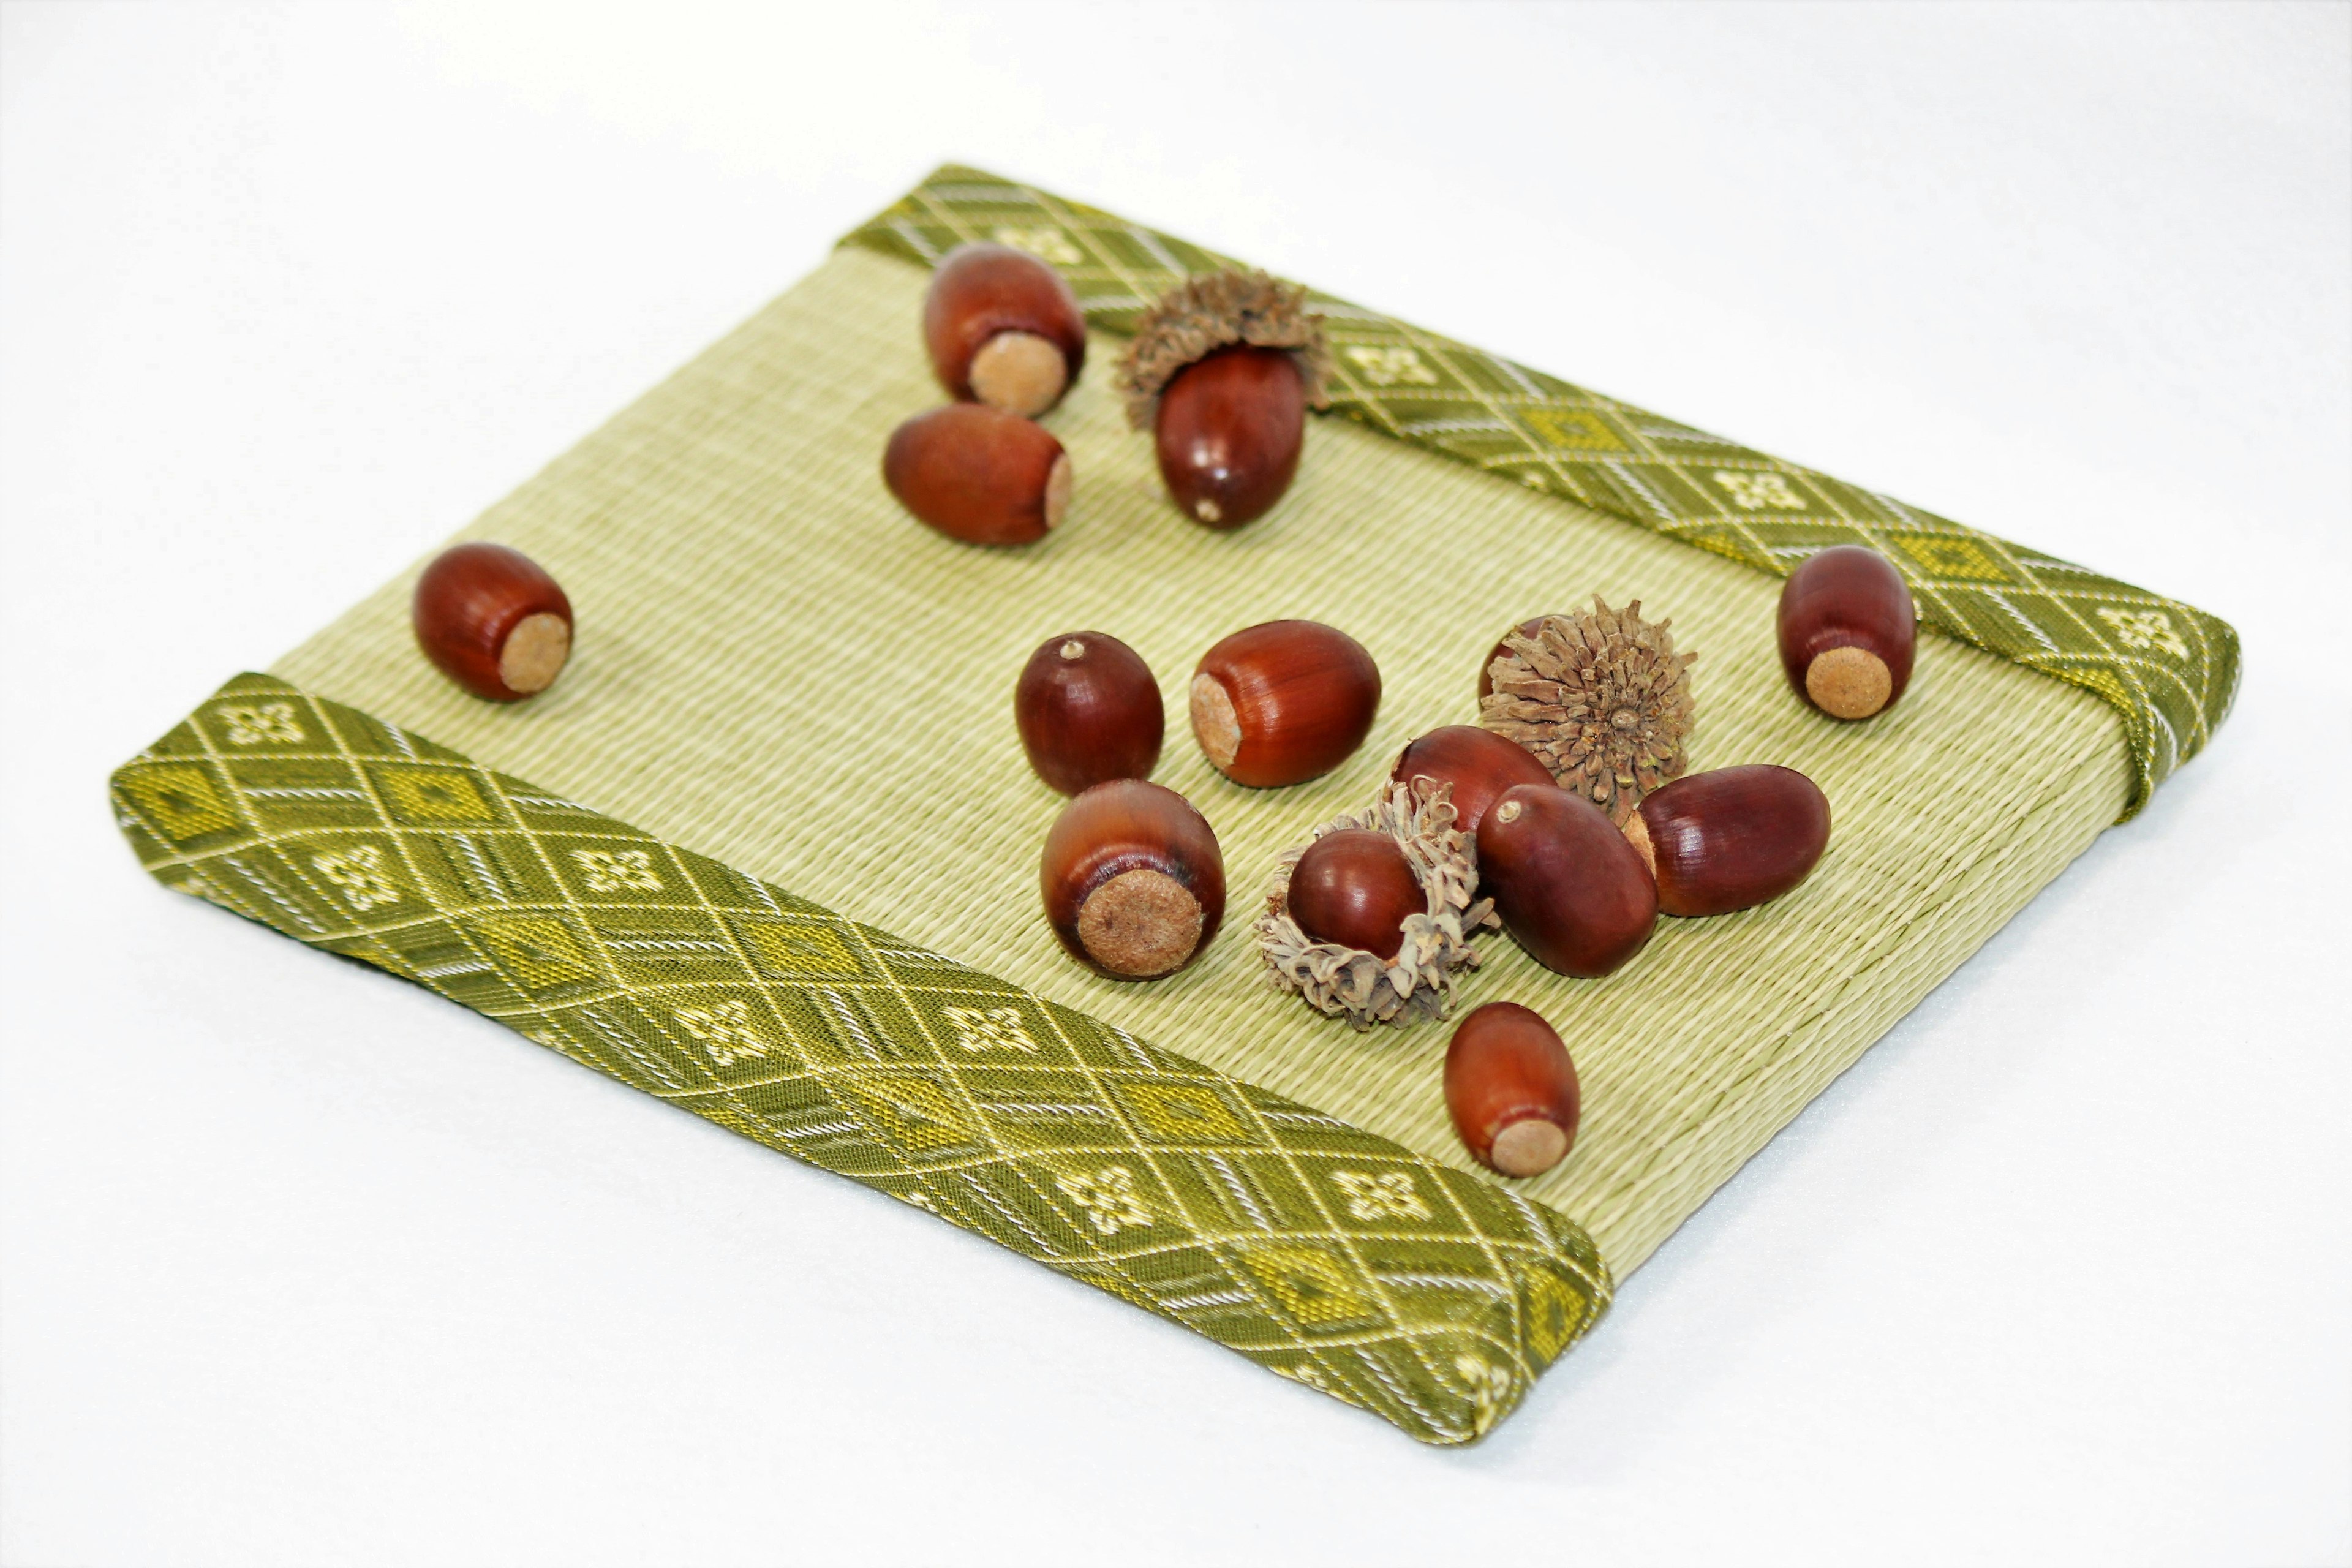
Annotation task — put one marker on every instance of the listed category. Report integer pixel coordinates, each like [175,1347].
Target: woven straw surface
[776,667]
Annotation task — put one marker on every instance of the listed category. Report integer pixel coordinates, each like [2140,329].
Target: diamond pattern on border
[1332,1257]
[2172,671]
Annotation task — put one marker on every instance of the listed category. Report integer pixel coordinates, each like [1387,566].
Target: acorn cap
[1363,987]
[1601,698]
[1216,311]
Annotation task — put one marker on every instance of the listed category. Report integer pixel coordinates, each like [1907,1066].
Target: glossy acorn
[1355,888]
[1133,880]
[1284,701]
[1003,328]
[1088,709]
[1569,888]
[979,474]
[1730,839]
[1229,432]
[1479,764]
[1847,631]
[492,620]
[1511,1089]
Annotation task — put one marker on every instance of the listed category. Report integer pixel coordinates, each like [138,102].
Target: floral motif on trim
[1386,1194]
[981,1029]
[262,724]
[1109,1197]
[361,873]
[618,870]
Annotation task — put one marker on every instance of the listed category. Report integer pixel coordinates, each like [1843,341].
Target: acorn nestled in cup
[1222,370]
[1369,920]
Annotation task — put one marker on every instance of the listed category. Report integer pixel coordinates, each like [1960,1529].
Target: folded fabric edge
[2170,669]
[1320,1251]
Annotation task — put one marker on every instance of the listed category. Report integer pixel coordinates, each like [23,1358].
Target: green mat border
[1335,1258]
[2172,671]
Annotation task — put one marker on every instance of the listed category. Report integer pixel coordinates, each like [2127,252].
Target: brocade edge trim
[1332,1257]
[2170,669]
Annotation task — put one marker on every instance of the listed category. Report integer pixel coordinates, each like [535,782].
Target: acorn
[1730,839]
[1478,763]
[1229,433]
[1353,938]
[1222,370]
[1133,881]
[1002,327]
[1284,701]
[493,620]
[979,474]
[1088,709]
[1569,888]
[1356,889]
[1847,631]
[1511,1089]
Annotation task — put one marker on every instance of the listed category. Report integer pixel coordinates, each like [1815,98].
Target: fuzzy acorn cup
[1600,697]
[1222,370]
[1369,920]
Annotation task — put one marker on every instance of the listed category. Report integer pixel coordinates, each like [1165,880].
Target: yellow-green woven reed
[778,668]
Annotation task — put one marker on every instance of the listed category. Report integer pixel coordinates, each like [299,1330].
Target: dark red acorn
[1568,886]
[1730,839]
[1229,432]
[1355,888]
[1511,1089]
[1088,709]
[1847,632]
[1479,764]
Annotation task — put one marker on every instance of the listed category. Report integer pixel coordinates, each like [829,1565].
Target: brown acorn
[1355,888]
[1133,880]
[1284,701]
[493,621]
[979,474]
[1478,763]
[1848,630]
[1731,838]
[1222,370]
[1002,327]
[1568,887]
[1512,1089]
[1229,434]
[1088,709]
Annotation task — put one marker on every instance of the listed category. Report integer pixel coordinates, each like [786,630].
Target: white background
[299,1264]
